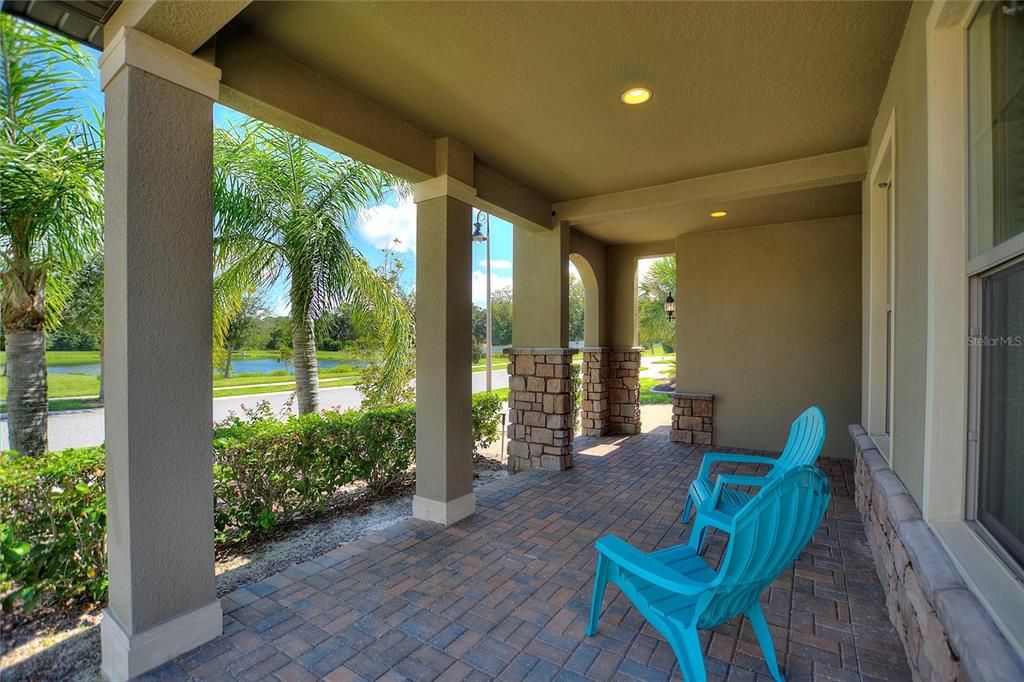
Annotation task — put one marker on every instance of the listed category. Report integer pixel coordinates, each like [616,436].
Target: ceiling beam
[789,176]
[261,82]
[185,25]
[509,200]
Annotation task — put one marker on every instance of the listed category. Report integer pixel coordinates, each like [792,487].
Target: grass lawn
[495,365]
[65,385]
[66,357]
[324,383]
[648,397]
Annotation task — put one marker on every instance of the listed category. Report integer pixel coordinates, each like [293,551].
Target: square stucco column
[541,424]
[444,419]
[156,356]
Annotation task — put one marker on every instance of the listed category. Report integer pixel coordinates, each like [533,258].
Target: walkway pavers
[504,594]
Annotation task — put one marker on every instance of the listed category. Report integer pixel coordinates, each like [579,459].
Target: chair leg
[600,582]
[697,533]
[764,638]
[687,508]
[689,653]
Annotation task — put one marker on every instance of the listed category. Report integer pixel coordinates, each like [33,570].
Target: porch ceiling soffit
[261,82]
[788,176]
[182,24]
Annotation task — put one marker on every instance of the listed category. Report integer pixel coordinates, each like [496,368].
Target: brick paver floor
[504,594]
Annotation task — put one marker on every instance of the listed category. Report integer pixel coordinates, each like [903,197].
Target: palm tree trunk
[26,390]
[227,363]
[307,378]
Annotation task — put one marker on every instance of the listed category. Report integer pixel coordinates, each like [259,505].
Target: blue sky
[392,223]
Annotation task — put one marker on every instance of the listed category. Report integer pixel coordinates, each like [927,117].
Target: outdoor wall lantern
[670,307]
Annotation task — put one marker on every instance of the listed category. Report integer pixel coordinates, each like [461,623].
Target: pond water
[260,366]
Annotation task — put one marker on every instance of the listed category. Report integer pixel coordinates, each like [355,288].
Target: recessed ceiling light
[636,95]
[718,214]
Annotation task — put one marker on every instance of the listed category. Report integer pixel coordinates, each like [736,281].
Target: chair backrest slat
[806,438]
[768,535]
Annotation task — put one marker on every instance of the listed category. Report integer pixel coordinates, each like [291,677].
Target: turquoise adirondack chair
[679,593]
[806,437]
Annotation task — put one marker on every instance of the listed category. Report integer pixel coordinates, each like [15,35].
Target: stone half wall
[540,408]
[947,633]
[624,391]
[693,418]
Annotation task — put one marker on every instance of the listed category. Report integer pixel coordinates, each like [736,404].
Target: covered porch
[505,593]
[763,162]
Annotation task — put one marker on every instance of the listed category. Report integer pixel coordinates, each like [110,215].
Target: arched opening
[591,308]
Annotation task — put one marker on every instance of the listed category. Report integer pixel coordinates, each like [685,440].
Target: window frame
[975,311]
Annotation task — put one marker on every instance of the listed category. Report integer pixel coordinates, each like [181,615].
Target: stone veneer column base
[595,410]
[624,390]
[693,418]
[540,408]
[947,633]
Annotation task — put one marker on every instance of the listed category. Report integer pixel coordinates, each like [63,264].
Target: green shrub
[487,418]
[266,472]
[53,526]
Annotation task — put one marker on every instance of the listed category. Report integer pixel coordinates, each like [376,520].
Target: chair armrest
[641,564]
[731,479]
[709,516]
[712,458]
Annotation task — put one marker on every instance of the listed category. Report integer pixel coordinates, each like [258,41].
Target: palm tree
[51,195]
[284,206]
[653,323]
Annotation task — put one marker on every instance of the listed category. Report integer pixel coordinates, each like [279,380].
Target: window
[996,272]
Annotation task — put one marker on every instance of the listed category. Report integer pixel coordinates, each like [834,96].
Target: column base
[445,513]
[126,656]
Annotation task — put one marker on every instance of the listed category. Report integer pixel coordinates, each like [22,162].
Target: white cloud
[496,264]
[386,226]
[480,285]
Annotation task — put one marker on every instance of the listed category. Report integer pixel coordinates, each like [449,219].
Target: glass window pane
[996,135]
[1001,460]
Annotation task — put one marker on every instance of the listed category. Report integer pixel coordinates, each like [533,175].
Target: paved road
[79,428]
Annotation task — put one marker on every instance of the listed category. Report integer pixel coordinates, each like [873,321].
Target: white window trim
[946,401]
[879,276]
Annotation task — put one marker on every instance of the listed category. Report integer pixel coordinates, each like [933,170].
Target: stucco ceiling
[534,87]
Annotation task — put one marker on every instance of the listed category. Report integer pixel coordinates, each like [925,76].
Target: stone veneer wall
[947,633]
[624,391]
[693,418]
[540,408]
[595,409]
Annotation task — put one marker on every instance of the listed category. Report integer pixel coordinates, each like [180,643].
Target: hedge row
[266,472]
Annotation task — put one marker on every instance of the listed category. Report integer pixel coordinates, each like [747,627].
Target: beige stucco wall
[906,93]
[622,288]
[540,303]
[769,322]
